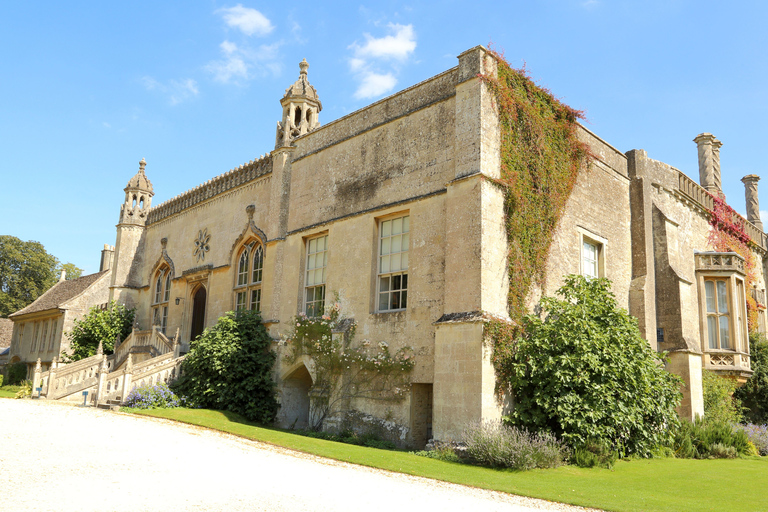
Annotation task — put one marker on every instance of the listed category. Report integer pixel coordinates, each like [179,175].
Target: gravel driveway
[66,458]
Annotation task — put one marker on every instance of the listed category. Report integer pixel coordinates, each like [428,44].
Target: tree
[100,325]
[754,394]
[585,373]
[26,271]
[229,367]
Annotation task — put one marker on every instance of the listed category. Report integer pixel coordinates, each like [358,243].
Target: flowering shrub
[491,443]
[151,396]
[369,370]
[758,434]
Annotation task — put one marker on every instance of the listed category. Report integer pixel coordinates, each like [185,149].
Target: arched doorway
[294,405]
[198,313]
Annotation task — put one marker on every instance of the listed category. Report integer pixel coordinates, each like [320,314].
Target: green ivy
[99,325]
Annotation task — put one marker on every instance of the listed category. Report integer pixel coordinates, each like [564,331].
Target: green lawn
[8,391]
[642,485]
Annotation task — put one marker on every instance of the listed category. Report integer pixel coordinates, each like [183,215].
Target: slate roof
[60,293]
[6,329]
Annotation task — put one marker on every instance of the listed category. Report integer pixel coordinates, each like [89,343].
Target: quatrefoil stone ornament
[202,245]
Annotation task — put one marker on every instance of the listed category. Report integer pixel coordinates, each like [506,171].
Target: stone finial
[38,365]
[129,363]
[142,164]
[753,203]
[250,210]
[706,143]
[104,367]
[54,363]
[117,341]
[303,66]
[100,349]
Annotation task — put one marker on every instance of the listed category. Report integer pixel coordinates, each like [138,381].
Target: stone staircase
[145,357]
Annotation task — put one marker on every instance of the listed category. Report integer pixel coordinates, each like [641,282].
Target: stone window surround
[602,245]
[251,284]
[315,303]
[161,295]
[737,356]
[377,265]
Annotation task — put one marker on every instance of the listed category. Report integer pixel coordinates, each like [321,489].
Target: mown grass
[8,391]
[639,485]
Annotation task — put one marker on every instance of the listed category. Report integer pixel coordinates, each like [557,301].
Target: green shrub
[25,389]
[17,372]
[1,380]
[705,438]
[151,396]
[491,443]
[719,403]
[229,367]
[369,439]
[594,454]
[583,371]
[99,325]
[443,453]
[754,393]
[720,451]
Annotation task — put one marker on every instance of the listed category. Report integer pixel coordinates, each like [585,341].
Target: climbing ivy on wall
[728,234]
[541,156]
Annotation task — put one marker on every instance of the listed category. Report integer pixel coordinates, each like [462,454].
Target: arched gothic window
[250,266]
[161,298]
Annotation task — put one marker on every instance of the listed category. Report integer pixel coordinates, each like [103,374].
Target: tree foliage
[229,367]
[26,271]
[585,373]
[754,394]
[719,403]
[73,271]
[103,325]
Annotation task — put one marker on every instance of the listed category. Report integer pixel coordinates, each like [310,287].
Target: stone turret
[129,245]
[753,204]
[709,163]
[301,108]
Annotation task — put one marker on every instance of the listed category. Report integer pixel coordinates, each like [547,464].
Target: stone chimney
[753,204]
[709,163]
[107,255]
[63,275]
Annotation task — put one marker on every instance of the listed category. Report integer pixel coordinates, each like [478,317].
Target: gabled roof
[60,293]
[6,330]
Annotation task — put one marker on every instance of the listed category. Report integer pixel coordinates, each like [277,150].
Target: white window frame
[590,238]
[249,276]
[392,265]
[315,270]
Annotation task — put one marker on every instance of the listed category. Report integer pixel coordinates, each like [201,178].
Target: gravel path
[65,458]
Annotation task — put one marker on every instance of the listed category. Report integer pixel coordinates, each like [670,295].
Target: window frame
[735,295]
[402,272]
[316,306]
[161,297]
[246,284]
[587,237]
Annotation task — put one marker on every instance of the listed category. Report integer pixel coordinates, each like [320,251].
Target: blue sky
[89,88]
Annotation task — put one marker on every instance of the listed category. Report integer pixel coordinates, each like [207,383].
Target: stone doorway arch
[198,312]
[295,403]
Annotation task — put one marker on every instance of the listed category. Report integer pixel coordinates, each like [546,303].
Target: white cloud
[177,91]
[399,45]
[589,4]
[375,63]
[106,124]
[248,21]
[240,63]
[374,84]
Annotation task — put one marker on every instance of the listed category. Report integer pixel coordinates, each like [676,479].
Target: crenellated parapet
[211,188]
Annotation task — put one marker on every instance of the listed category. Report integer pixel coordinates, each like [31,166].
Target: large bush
[229,367]
[714,439]
[754,394]
[583,372]
[494,444]
[100,325]
[17,372]
[719,403]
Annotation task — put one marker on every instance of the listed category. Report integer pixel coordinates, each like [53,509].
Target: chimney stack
[753,204]
[709,163]
[107,255]
[63,275]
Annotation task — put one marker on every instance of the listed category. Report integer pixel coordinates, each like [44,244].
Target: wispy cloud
[248,21]
[376,61]
[177,91]
[590,4]
[242,63]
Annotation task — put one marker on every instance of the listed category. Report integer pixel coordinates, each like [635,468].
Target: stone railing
[153,342]
[719,261]
[215,186]
[696,193]
[727,360]
[117,385]
[61,381]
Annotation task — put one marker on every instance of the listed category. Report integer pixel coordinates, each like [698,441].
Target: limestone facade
[311,215]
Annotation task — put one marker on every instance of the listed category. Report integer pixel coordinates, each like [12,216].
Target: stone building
[39,330]
[390,208]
